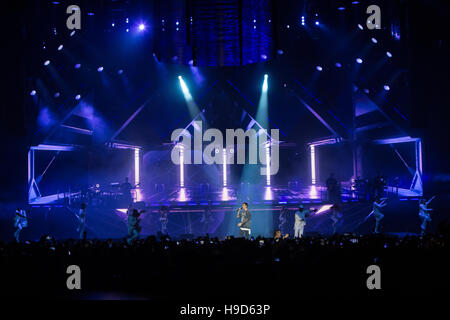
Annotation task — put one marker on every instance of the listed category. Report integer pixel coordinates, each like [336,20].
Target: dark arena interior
[197,150]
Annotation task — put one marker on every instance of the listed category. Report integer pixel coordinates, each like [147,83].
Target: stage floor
[224,196]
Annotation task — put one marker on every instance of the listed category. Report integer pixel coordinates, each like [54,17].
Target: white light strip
[313,165]
[181,166]
[136,173]
[268,164]
[136,166]
[224,167]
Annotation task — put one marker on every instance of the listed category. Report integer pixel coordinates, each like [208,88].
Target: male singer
[246,221]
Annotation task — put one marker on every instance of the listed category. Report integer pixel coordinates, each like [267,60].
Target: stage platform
[187,197]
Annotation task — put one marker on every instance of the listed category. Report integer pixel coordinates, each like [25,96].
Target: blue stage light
[46,63]
[374,40]
[338,65]
[141,27]
[33,92]
[100,69]
[359,60]
[317,23]
[77,66]
[319,68]
[389,54]
[77,97]
[56,95]
[265,84]
[360,27]
[386,87]
[60,47]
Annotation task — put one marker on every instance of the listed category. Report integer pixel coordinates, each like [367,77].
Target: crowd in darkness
[210,267]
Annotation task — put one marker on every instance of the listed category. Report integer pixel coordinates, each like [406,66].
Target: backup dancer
[164,219]
[300,221]
[20,222]
[335,217]
[377,205]
[134,228]
[283,219]
[82,220]
[424,214]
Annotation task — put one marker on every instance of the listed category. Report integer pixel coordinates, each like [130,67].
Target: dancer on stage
[335,217]
[206,219]
[82,220]
[424,214]
[164,219]
[246,221]
[377,205]
[20,222]
[134,228]
[283,219]
[300,220]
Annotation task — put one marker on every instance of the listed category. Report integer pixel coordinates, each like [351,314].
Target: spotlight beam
[192,106]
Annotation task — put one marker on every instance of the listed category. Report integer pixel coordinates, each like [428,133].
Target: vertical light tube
[313,165]
[29,168]
[136,166]
[181,166]
[224,167]
[136,173]
[419,151]
[268,163]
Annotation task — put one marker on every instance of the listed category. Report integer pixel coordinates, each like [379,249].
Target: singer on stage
[246,221]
